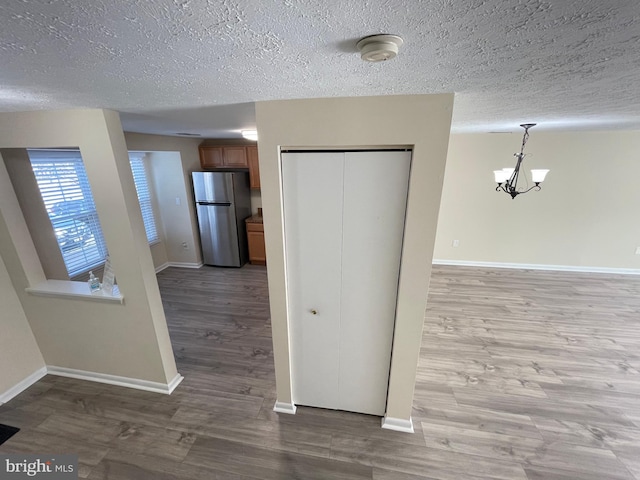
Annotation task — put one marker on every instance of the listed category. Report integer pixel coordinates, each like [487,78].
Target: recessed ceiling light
[250,134]
[378,48]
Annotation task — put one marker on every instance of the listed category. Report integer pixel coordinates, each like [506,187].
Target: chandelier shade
[537,176]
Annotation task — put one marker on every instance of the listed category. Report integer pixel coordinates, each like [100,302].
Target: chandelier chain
[525,137]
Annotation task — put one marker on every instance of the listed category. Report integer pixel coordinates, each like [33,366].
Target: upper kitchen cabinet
[211,157]
[235,157]
[254,167]
[215,156]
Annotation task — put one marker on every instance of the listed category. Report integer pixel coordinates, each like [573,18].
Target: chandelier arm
[536,186]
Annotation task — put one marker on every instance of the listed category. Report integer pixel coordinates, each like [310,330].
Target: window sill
[73,290]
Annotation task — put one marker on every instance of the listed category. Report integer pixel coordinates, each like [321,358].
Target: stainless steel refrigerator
[223,202]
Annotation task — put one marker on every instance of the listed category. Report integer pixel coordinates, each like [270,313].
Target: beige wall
[180,224]
[35,213]
[421,121]
[158,248]
[256,201]
[19,352]
[584,216]
[168,183]
[129,340]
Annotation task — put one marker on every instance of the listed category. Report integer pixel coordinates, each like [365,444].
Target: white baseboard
[179,265]
[162,267]
[282,407]
[534,266]
[185,264]
[397,424]
[21,386]
[136,383]
[177,380]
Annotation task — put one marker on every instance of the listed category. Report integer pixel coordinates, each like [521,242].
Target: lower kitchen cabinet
[255,237]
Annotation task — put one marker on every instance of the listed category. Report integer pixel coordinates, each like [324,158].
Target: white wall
[129,340]
[420,121]
[584,216]
[19,352]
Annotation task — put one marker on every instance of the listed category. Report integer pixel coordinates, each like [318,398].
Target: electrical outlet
[637,250]
[455,243]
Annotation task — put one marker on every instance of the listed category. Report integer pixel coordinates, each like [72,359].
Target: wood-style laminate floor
[523,375]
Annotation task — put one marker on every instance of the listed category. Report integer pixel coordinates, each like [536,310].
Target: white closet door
[375,198]
[344,222]
[312,186]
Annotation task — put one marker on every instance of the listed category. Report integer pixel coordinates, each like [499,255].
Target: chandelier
[507,178]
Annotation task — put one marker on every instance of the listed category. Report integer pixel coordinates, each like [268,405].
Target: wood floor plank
[81,427]
[522,375]
[419,460]
[123,465]
[589,433]
[264,463]
[383,474]
[481,420]
[29,441]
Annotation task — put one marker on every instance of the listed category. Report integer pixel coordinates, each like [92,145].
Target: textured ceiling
[198,65]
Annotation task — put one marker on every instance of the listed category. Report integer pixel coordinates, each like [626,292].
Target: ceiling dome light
[378,48]
[250,134]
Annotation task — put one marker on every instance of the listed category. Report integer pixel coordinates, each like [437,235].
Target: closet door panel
[375,197]
[313,188]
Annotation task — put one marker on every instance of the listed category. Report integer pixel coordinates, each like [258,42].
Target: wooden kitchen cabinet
[211,157]
[255,237]
[215,156]
[254,167]
[235,157]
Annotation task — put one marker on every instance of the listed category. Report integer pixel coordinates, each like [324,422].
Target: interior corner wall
[172,200]
[179,221]
[420,121]
[128,340]
[24,183]
[19,353]
[584,216]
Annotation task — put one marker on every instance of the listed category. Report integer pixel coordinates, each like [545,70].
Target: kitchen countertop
[254,219]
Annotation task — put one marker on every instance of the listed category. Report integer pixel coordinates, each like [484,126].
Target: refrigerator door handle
[219,204]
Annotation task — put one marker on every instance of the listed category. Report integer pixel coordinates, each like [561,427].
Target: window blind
[66,194]
[144,194]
